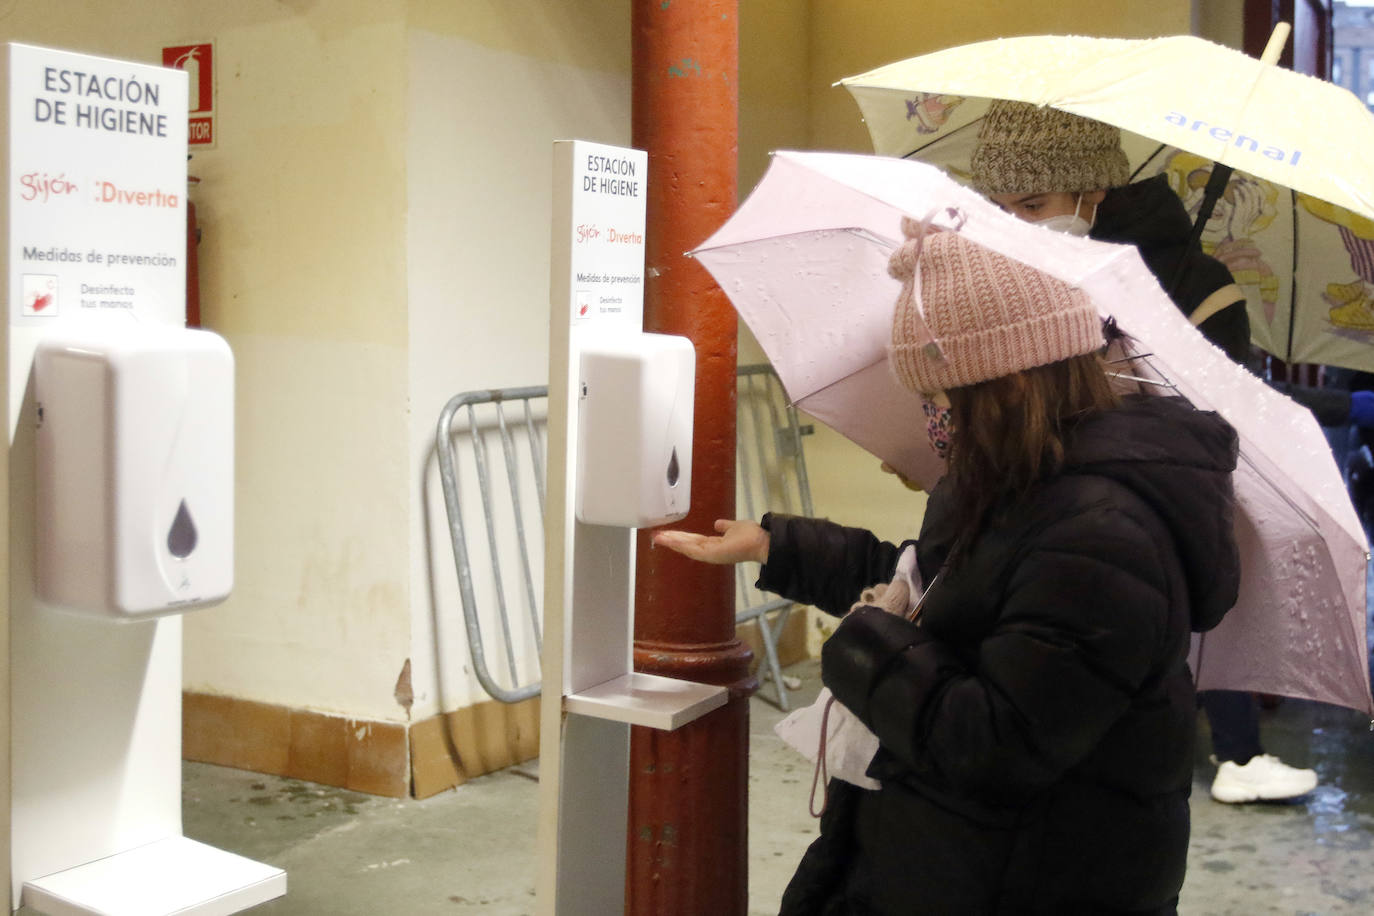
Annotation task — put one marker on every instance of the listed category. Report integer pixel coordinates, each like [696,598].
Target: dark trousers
[1234,718]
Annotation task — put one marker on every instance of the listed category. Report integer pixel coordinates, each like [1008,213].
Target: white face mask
[1070,223]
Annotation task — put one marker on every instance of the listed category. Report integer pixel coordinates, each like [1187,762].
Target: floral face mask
[939,428]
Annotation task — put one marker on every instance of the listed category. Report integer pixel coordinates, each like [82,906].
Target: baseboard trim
[355,754]
[448,749]
[393,759]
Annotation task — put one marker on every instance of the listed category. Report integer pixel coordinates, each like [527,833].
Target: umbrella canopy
[804,261]
[1304,182]
[1306,265]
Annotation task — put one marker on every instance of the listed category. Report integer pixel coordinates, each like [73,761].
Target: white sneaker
[1264,778]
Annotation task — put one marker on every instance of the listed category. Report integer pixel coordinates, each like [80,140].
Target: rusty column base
[689,815]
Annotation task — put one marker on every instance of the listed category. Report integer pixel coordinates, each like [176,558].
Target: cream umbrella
[1296,223]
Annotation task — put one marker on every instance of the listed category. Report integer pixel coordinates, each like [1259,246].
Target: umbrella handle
[1277,39]
[1216,184]
[1221,174]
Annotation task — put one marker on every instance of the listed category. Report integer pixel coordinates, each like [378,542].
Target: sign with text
[198,60]
[96,165]
[599,210]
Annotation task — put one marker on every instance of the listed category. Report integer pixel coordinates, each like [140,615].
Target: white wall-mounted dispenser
[634,431]
[135,469]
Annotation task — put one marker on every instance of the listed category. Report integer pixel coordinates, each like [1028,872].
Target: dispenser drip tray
[172,876]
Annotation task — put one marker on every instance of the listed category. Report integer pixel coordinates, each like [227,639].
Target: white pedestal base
[172,877]
[647,699]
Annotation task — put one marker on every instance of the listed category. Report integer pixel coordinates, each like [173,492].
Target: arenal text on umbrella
[625,186]
[1225,133]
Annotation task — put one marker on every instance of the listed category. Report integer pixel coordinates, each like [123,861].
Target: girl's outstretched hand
[736,542]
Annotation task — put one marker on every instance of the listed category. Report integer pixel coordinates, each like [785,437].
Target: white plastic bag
[847,746]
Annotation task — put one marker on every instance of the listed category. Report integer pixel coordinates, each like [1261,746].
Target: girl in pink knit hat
[1069,173]
[1034,709]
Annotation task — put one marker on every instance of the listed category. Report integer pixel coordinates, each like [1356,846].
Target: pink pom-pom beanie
[970,314]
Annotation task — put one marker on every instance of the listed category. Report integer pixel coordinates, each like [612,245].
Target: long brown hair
[1009,434]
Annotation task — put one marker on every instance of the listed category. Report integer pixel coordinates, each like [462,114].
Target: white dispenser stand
[95,232]
[591,694]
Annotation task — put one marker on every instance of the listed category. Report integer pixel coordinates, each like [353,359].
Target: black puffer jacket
[1037,726]
[1150,216]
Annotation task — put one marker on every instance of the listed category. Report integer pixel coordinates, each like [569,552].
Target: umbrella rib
[1166,383]
[1148,159]
[859,231]
[943,136]
[1303,513]
[1143,381]
[796,402]
[869,235]
[1292,278]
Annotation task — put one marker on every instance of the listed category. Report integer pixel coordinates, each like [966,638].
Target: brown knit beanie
[1027,149]
[979,315]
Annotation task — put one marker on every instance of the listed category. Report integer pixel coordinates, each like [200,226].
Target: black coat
[1037,726]
[1150,216]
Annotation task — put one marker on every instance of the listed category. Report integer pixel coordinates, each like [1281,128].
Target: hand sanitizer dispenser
[135,469]
[634,433]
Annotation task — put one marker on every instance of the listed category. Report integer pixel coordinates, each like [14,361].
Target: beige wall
[302,208]
[303,270]
[490,90]
[774,98]
[374,222]
[1222,21]
[774,82]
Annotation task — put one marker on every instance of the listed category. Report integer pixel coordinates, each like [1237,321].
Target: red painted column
[688,831]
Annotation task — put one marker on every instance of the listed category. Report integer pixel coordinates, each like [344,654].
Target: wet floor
[471,850]
[1309,856]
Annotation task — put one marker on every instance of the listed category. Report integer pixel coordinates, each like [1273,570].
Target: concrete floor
[471,850]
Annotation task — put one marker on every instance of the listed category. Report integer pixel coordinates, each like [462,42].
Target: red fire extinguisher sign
[198,60]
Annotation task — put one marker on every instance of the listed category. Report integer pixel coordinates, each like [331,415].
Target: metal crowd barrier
[493,402]
[771,476]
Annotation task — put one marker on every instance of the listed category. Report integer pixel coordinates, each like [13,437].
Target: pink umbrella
[804,261]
